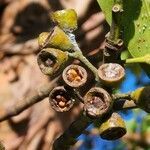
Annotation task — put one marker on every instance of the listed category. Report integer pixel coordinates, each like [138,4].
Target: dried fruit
[97,102]
[111,74]
[65,19]
[113,128]
[51,60]
[74,76]
[60,99]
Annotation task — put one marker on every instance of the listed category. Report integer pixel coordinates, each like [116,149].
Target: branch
[124,104]
[22,105]
[114,42]
[68,138]
[77,54]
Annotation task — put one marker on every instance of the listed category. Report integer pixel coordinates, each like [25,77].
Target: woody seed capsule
[111,74]
[60,99]
[97,102]
[74,76]
[51,60]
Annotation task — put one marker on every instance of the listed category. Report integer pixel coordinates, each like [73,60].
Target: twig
[68,138]
[142,59]
[119,96]
[124,104]
[114,43]
[22,105]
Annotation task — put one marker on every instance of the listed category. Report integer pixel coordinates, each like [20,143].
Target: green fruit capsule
[141,97]
[113,128]
[51,60]
[56,39]
[65,19]
[97,102]
[111,74]
[43,39]
[60,99]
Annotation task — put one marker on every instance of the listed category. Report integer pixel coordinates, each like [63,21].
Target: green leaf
[131,125]
[136,26]
[145,126]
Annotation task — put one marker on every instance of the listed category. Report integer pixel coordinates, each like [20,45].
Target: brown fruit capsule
[51,60]
[74,76]
[141,97]
[60,99]
[111,74]
[113,128]
[65,19]
[56,39]
[97,102]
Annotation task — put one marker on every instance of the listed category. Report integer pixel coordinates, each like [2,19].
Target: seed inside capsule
[49,63]
[74,75]
[60,99]
[62,104]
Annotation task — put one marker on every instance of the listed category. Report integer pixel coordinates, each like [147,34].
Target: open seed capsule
[60,99]
[113,128]
[65,19]
[74,76]
[56,39]
[97,102]
[141,97]
[51,60]
[111,74]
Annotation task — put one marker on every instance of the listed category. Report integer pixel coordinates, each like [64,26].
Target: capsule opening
[48,59]
[61,98]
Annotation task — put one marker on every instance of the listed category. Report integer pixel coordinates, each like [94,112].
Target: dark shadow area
[55,4]
[30,22]
[85,45]
[132,9]
[21,127]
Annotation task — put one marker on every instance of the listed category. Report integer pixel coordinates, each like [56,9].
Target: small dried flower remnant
[60,99]
[75,76]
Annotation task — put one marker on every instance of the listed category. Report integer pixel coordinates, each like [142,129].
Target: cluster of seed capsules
[52,60]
